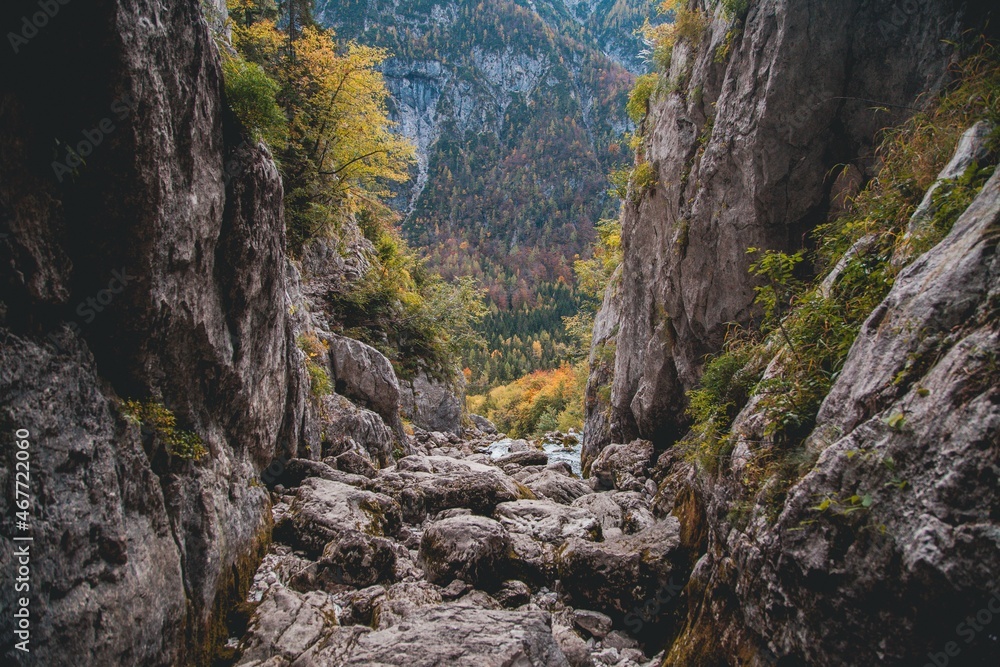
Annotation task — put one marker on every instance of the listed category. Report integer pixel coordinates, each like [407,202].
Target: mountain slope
[517,117]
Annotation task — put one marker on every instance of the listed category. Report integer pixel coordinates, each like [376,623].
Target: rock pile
[449,557]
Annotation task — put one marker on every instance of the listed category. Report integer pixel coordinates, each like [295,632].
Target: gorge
[235,436]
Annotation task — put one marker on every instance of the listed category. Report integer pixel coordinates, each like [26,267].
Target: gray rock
[357,559]
[300,628]
[636,512]
[471,548]
[362,373]
[176,200]
[973,147]
[324,510]
[916,401]
[561,467]
[296,471]
[483,424]
[402,600]
[548,521]
[622,642]
[573,647]
[461,635]
[622,573]
[354,463]
[456,589]
[429,484]
[432,404]
[601,362]
[593,623]
[605,509]
[345,426]
[327,268]
[620,466]
[521,445]
[737,165]
[479,599]
[530,458]
[513,593]
[896,510]
[555,486]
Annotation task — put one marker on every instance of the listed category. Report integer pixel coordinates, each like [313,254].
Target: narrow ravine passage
[452,555]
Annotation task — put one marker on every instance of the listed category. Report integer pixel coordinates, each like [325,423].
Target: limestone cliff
[870,539]
[143,258]
[744,149]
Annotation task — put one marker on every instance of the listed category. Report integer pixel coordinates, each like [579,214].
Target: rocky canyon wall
[143,258]
[746,151]
[854,545]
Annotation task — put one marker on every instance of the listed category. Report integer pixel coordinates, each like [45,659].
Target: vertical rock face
[153,268]
[432,404]
[871,556]
[743,150]
[910,435]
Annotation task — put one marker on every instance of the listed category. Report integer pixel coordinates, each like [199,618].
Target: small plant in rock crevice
[156,419]
[315,350]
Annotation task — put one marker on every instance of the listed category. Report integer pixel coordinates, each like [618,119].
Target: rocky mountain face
[744,152]
[155,341]
[754,149]
[461,69]
[517,114]
[136,264]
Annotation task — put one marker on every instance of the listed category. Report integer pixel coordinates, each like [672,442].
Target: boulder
[561,467]
[483,424]
[528,458]
[532,560]
[357,606]
[456,589]
[460,635]
[354,463]
[401,600]
[548,521]
[573,647]
[556,486]
[432,404]
[324,510]
[622,573]
[290,626]
[480,599]
[594,623]
[363,374]
[429,484]
[346,426]
[357,559]
[513,593]
[619,466]
[471,548]
[636,510]
[607,512]
[295,471]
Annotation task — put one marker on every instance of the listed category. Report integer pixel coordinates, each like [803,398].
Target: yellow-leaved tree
[338,153]
[321,107]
